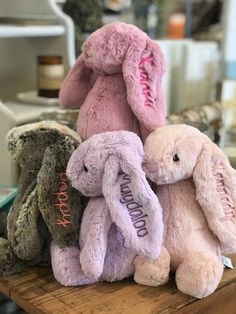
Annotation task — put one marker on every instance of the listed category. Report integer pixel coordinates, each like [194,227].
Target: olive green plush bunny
[46,209]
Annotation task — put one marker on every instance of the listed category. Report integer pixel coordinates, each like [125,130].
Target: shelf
[25,113]
[7,31]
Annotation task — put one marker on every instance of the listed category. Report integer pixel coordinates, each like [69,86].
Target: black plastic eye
[175,157]
[85,169]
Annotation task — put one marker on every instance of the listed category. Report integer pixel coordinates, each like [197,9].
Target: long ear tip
[159,56]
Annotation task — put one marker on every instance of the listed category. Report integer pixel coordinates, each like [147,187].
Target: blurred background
[197,38]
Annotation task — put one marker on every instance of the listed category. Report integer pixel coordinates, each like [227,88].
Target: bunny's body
[106,107]
[122,222]
[196,189]
[117,82]
[183,217]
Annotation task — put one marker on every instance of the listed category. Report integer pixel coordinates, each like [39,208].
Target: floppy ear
[215,182]
[22,220]
[59,202]
[143,69]
[76,85]
[133,206]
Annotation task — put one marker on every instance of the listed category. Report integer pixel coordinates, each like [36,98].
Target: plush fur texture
[196,188]
[123,217]
[46,207]
[117,82]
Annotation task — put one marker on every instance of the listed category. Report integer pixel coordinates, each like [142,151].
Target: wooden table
[36,291]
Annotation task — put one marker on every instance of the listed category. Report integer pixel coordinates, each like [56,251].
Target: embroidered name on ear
[147,57]
[135,210]
[223,192]
[62,202]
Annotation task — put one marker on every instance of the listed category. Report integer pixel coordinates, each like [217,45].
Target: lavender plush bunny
[117,82]
[197,191]
[123,218]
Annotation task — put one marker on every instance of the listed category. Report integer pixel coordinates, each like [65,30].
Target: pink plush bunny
[123,217]
[117,82]
[197,191]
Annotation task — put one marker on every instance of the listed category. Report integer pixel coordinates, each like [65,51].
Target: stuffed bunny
[123,217]
[117,82]
[196,187]
[46,207]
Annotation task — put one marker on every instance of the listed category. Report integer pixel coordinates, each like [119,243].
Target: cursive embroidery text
[62,201]
[135,210]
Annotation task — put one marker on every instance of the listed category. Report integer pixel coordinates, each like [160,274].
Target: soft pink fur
[198,228]
[105,82]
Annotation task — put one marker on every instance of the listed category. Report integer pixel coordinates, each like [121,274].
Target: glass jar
[50,75]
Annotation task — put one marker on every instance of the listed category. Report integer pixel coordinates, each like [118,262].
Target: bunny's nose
[11,146]
[149,165]
[88,53]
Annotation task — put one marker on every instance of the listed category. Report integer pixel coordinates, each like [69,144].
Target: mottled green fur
[42,150]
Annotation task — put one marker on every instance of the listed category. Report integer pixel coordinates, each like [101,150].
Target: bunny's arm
[76,85]
[95,225]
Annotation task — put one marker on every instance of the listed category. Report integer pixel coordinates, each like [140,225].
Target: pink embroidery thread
[62,202]
[147,57]
[224,194]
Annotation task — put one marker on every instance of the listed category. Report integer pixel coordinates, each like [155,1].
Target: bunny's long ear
[133,206]
[59,202]
[215,182]
[143,69]
[76,85]
[22,220]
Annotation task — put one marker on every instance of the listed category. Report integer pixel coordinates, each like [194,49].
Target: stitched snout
[151,168]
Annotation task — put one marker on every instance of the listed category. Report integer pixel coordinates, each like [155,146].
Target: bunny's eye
[175,157]
[85,169]
[23,137]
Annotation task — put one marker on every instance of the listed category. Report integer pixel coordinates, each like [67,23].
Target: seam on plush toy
[147,57]
[223,193]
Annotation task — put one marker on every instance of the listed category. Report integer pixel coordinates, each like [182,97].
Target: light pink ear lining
[224,194]
[146,58]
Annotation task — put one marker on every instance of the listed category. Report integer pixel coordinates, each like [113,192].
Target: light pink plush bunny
[197,191]
[116,82]
[123,218]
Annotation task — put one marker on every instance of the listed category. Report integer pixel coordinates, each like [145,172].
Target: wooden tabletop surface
[36,291]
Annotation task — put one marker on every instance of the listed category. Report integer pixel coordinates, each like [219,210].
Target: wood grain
[36,291]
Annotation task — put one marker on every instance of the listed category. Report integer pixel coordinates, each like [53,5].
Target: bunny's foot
[66,266]
[152,273]
[9,262]
[199,274]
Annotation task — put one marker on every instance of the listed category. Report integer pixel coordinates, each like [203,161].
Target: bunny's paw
[66,266]
[152,273]
[91,264]
[9,262]
[199,275]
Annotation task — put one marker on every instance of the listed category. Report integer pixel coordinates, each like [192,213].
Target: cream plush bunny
[196,187]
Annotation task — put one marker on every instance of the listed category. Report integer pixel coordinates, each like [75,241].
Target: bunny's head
[177,152]
[101,157]
[171,153]
[27,144]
